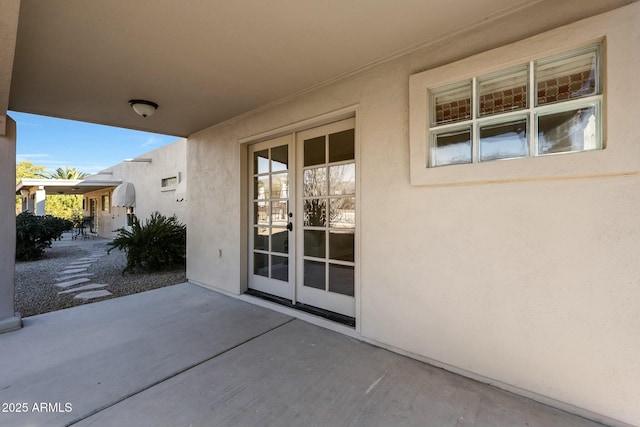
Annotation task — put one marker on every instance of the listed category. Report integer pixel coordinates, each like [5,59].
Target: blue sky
[55,143]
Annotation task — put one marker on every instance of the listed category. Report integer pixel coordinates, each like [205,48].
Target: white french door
[270,216]
[326,199]
[303,217]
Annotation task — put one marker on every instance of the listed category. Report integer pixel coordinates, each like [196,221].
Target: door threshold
[329,315]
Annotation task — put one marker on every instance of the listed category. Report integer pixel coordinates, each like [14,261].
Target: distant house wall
[532,283]
[106,218]
[147,177]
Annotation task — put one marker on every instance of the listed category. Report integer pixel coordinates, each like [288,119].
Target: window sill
[580,165]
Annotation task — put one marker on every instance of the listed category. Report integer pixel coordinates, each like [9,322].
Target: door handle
[290,225]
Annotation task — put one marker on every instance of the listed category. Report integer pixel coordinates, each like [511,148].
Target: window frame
[105,207]
[169,183]
[530,113]
[555,42]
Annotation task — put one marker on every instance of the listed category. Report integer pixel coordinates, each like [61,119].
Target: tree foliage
[66,173]
[35,233]
[67,206]
[159,243]
[26,170]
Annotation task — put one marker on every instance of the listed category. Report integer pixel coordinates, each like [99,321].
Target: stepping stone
[73,271]
[85,265]
[72,276]
[84,288]
[71,283]
[92,295]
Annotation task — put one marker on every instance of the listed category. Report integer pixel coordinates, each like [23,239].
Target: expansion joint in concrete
[175,374]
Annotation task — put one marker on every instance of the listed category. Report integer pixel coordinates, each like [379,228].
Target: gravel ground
[36,294]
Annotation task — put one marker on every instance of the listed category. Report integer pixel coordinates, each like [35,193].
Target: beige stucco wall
[533,284]
[167,161]
[7,228]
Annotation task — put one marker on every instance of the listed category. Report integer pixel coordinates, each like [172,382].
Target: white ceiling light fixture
[143,107]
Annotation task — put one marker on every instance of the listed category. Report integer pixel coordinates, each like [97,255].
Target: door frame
[351,111]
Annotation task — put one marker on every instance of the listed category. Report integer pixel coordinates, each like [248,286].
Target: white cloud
[151,142]
[31,157]
[51,164]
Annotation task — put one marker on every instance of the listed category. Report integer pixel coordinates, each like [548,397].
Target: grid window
[329,203]
[549,106]
[169,182]
[105,203]
[271,213]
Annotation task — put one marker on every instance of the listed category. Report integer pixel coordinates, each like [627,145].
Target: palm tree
[66,173]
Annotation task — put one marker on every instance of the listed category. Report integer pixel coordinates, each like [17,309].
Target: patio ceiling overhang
[205,62]
[65,186]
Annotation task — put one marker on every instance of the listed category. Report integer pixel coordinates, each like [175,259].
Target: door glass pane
[565,78]
[261,264]
[261,187]
[280,268]
[280,240]
[341,245]
[261,238]
[315,182]
[342,212]
[315,212]
[314,151]
[572,130]
[504,140]
[280,185]
[342,179]
[261,213]
[261,161]
[314,243]
[341,146]
[280,158]
[452,105]
[279,213]
[314,274]
[341,279]
[451,148]
[504,92]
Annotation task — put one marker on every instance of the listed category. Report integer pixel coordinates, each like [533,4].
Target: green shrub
[157,244]
[35,233]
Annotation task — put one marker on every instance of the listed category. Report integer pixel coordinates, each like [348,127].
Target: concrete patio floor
[187,356]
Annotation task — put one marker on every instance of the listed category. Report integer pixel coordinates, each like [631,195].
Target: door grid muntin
[270,198]
[328,199]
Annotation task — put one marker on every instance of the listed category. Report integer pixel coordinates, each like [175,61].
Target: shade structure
[124,195]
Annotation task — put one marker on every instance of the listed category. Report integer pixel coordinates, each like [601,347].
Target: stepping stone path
[71,282]
[92,295]
[88,287]
[74,278]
